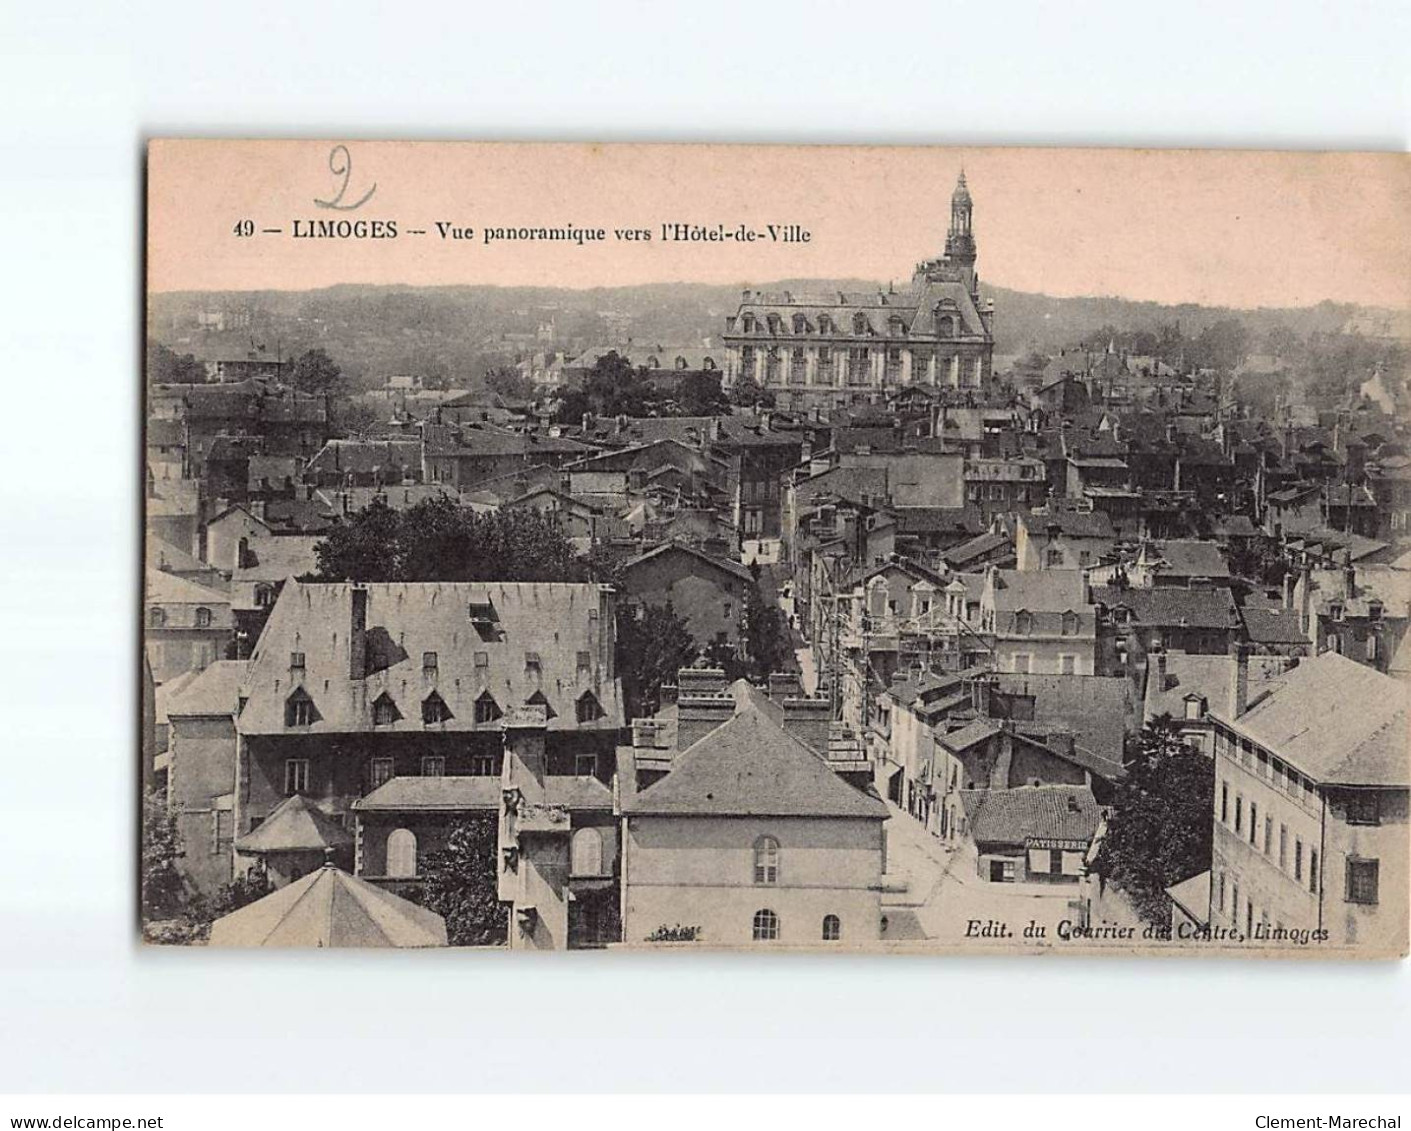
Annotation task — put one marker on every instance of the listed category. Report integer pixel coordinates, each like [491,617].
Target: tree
[166,367]
[748,393]
[461,885]
[1159,832]
[163,888]
[509,383]
[439,540]
[700,394]
[313,371]
[653,644]
[767,641]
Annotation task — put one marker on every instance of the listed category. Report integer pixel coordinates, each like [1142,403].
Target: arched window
[203,617]
[766,860]
[766,926]
[748,324]
[157,617]
[832,928]
[587,852]
[401,854]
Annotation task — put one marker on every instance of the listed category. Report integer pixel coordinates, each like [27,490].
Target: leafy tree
[748,393]
[653,644]
[1159,832]
[166,367]
[353,418]
[461,881]
[439,540]
[767,642]
[313,371]
[509,383]
[700,394]
[163,888]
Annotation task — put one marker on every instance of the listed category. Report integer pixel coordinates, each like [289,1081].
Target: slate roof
[958,557]
[1172,606]
[215,690]
[1043,812]
[972,733]
[1071,523]
[460,793]
[167,589]
[751,767]
[1096,708]
[554,621]
[733,568]
[363,457]
[330,908]
[1337,721]
[1272,626]
[295,825]
[1188,558]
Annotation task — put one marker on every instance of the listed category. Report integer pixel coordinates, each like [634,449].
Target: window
[433,766]
[1053,558]
[766,926]
[486,709]
[532,663]
[1023,623]
[726,610]
[586,852]
[296,776]
[1070,624]
[1371,647]
[264,596]
[585,661]
[1021,663]
[1224,803]
[1361,880]
[380,772]
[296,661]
[434,710]
[156,617]
[1313,870]
[1222,893]
[482,659]
[1298,858]
[1253,823]
[203,617]
[299,709]
[1268,835]
[832,928]
[384,711]
[1363,808]
[1283,846]
[401,854]
[429,663]
[1239,813]
[1234,901]
[585,765]
[766,860]
[483,765]
[1055,862]
[1068,664]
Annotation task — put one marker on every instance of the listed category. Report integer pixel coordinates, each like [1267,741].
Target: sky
[1222,228]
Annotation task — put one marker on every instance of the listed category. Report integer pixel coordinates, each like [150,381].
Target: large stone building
[829,350]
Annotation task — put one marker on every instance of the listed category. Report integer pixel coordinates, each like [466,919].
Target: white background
[82,1009]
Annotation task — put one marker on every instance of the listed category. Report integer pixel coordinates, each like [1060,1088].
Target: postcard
[776,548]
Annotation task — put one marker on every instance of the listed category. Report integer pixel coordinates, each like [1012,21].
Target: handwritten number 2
[340,164]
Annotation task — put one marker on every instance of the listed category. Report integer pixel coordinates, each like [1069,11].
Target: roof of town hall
[750,766]
[511,627]
[1338,721]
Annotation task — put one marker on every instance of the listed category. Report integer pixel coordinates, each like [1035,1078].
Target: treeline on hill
[439,540]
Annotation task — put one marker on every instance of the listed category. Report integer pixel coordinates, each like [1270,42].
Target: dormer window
[1335,610]
[1023,622]
[539,699]
[1374,610]
[860,325]
[747,324]
[587,709]
[429,663]
[800,324]
[434,710]
[825,324]
[482,618]
[532,664]
[486,709]
[157,617]
[384,711]
[774,324]
[203,617]
[296,662]
[1070,623]
[299,710]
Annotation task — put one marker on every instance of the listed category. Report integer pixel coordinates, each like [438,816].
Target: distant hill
[453,334]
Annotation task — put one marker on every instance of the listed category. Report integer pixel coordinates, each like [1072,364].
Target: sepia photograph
[841,549]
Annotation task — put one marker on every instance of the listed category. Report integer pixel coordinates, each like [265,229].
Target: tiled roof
[1097,709]
[296,825]
[751,766]
[1188,558]
[1272,626]
[330,908]
[406,621]
[979,730]
[960,556]
[735,569]
[363,457]
[1173,607]
[214,691]
[1043,812]
[1338,721]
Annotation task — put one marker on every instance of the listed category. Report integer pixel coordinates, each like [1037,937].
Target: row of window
[765,927]
[300,711]
[1024,623]
[861,325]
[157,617]
[382,770]
[1261,837]
[1023,663]
[1360,886]
[585,853]
[1264,765]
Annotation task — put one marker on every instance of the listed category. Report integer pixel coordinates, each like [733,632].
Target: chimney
[698,715]
[1305,595]
[1288,591]
[1239,680]
[357,636]
[526,761]
[1157,658]
[809,720]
